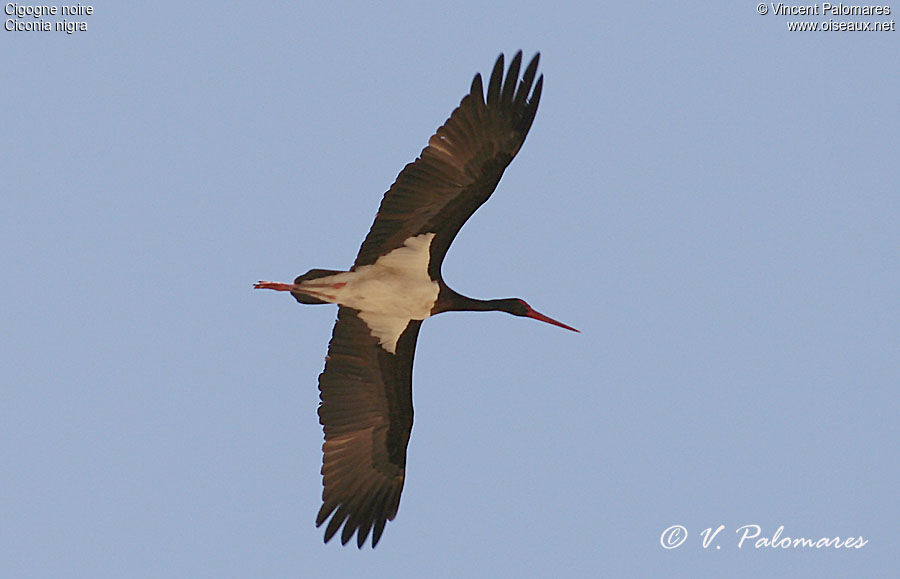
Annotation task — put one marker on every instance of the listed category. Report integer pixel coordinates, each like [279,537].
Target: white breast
[388,293]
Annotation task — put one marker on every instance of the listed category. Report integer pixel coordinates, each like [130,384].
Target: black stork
[366,388]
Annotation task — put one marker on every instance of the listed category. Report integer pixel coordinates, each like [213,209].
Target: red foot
[279,287]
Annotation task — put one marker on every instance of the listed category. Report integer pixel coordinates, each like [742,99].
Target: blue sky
[711,199]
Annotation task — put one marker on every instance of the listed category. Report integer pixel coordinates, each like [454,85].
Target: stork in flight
[395,283]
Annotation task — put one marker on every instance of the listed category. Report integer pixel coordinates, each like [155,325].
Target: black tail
[312,274]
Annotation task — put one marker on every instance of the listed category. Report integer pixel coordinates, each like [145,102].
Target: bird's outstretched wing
[461,166]
[366,411]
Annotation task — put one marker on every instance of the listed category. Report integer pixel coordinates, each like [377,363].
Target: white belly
[388,293]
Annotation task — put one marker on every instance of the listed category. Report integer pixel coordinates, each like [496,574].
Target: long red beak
[541,317]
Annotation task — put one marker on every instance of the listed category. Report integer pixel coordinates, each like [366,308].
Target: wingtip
[477,87]
[533,64]
[496,82]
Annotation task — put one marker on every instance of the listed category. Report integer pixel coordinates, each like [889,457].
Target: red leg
[279,287]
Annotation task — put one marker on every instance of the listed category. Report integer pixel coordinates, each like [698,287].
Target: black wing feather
[366,412]
[461,166]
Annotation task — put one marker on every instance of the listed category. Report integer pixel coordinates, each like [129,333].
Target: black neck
[449,300]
